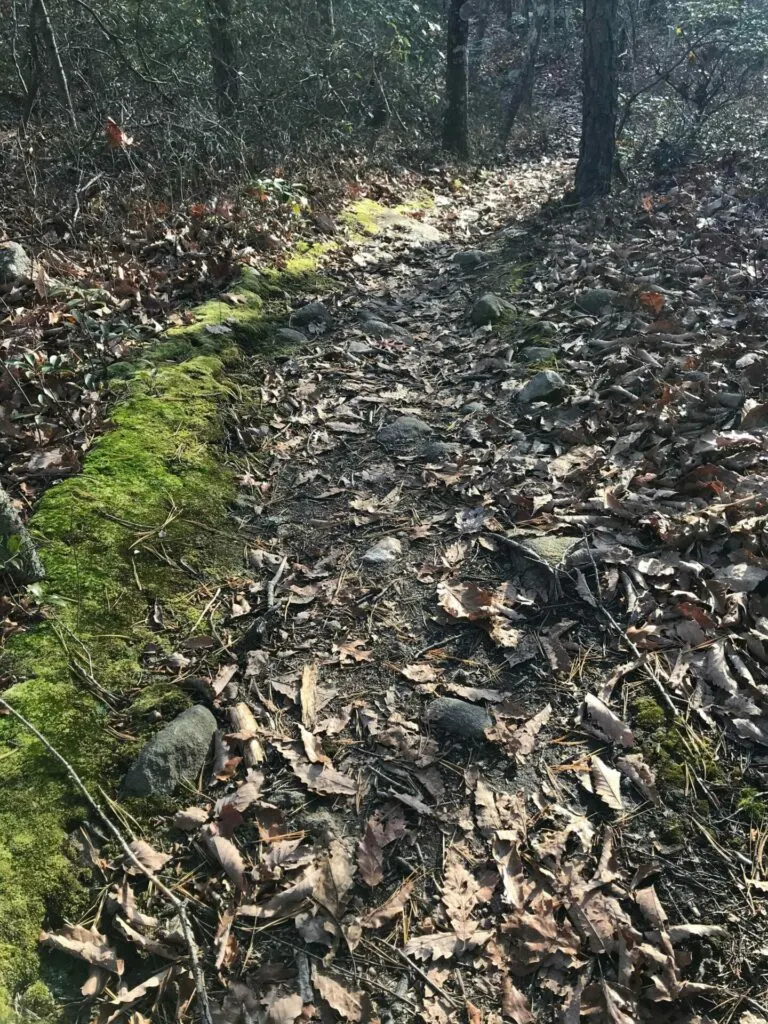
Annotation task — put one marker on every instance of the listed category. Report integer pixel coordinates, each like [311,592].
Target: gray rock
[595,300]
[404,433]
[379,329]
[545,386]
[175,754]
[384,551]
[18,554]
[359,348]
[440,451]
[312,313]
[14,263]
[488,309]
[474,408]
[490,364]
[290,337]
[537,354]
[470,259]
[459,718]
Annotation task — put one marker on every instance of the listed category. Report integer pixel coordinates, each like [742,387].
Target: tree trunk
[522,84]
[456,123]
[478,43]
[43,20]
[600,100]
[226,82]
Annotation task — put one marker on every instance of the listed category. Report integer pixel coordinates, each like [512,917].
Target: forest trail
[484,692]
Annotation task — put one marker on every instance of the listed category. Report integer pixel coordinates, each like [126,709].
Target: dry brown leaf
[640,775]
[444,945]
[421,673]
[320,778]
[190,819]
[285,1009]
[598,719]
[347,1003]
[289,900]
[228,855]
[86,944]
[390,908]
[382,828]
[607,783]
[147,856]
[514,1004]
[518,743]
[125,997]
[460,896]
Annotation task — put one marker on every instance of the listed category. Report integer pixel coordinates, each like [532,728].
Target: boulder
[545,386]
[488,309]
[404,434]
[175,754]
[313,313]
[287,336]
[14,263]
[459,718]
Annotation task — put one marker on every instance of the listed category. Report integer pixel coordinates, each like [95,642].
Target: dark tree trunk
[456,124]
[226,82]
[600,99]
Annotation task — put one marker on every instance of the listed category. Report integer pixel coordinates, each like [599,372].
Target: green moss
[751,803]
[146,520]
[648,714]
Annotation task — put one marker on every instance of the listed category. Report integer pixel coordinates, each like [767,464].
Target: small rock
[313,312]
[406,432]
[470,259]
[290,337]
[537,354]
[440,451]
[595,300]
[359,348]
[459,717]
[490,364]
[14,263]
[488,309]
[175,754]
[379,329]
[384,551]
[474,408]
[544,386]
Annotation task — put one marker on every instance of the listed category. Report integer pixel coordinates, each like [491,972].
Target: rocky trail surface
[487,705]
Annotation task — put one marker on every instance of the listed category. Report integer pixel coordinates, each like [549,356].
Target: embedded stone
[488,309]
[545,386]
[176,754]
[14,263]
[311,313]
[404,433]
[459,718]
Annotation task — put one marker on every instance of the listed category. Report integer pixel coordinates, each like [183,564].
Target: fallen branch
[178,905]
[21,560]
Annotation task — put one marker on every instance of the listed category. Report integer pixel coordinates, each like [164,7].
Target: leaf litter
[589,571]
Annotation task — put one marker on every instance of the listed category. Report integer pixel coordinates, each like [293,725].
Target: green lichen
[366,217]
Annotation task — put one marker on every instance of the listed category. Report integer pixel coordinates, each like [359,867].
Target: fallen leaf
[346,1002]
[391,907]
[607,784]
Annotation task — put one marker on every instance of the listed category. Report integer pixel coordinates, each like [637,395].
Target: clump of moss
[752,803]
[648,713]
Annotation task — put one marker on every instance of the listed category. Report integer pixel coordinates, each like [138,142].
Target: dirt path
[464,779]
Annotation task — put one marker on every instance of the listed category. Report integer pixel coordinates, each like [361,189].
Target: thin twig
[179,905]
